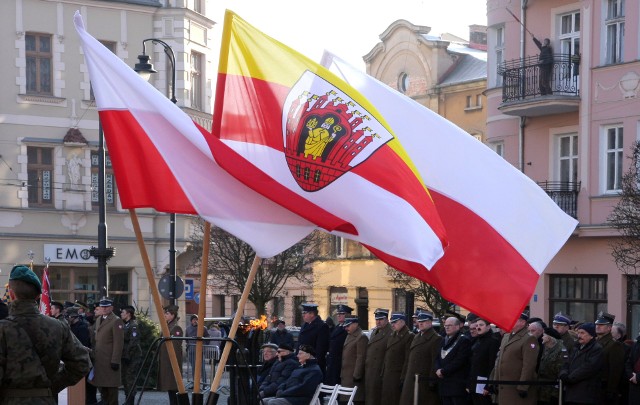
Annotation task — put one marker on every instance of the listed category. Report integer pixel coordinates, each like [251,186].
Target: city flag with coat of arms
[294,131]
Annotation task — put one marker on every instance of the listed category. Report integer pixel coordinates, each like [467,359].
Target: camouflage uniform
[31,349]
[131,356]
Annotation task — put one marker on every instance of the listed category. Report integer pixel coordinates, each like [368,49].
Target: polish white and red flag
[503,229]
[45,297]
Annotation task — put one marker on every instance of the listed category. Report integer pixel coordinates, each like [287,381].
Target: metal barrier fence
[486,382]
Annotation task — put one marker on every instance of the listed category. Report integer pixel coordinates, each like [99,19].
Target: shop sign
[69,253]
[339,298]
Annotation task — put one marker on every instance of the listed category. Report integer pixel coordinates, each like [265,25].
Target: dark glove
[115,366]
[491,389]
[522,394]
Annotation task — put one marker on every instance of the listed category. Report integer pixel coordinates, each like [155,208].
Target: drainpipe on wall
[523,18]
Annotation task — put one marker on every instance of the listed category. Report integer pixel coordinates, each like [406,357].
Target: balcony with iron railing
[523,86]
[564,193]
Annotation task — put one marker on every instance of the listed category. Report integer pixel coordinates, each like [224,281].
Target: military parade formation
[416,360]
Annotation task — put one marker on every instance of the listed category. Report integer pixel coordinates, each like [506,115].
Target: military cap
[310,307]
[525,315]
[67,304]
[424,316]
[285,346]
[270,346]
[23,273]
[72,312]
[588,327]
[81,304]
[280,322]
[172,309]
[106,302]
[343,309]
[351,320]
[307,349]
[418,310]
[539,320]
[605,318]
[471,317]
[381,313]
[396,316]
[562,319]
[552,332]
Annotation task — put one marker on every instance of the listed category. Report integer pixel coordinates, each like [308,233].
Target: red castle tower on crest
[323,136]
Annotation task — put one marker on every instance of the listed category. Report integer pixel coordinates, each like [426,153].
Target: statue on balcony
[545,59]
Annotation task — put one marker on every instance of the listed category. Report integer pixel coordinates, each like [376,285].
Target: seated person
[280,371]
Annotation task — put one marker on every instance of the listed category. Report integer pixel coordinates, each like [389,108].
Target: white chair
[347,391]
[325,389]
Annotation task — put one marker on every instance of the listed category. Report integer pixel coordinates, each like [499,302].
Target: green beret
[25,274]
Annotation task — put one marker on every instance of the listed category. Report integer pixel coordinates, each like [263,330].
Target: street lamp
[145,69]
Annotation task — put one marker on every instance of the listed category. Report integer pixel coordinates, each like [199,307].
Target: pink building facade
[569,122]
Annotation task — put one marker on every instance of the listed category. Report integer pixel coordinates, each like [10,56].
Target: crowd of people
[467,361]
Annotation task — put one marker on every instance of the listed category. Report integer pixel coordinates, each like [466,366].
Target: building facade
[49,138]
[569,124]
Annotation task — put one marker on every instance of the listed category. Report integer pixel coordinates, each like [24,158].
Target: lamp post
[145,69]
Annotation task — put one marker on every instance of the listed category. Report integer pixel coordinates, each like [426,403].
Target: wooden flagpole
[206,240]
[234,327]
[177,372]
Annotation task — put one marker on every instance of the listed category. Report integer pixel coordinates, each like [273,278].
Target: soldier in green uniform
[131,352]
[33,346]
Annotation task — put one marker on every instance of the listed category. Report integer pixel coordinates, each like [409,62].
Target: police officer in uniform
[398,346]
[614,358]
[131,352]
[166,379]
[33,346]
[314,333]
[562,324]
[108,353]
[336,343]
[376,349]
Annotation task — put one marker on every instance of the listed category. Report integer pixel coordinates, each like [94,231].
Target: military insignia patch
[326,132]
[119,326]
[533,346]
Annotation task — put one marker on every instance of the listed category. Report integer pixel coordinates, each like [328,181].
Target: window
[582,297]
[613,157]
[338,247]
[110,45]
[109,181]
[499,51]
[498,147]
[614,27]
[197,6]
[297,309]
[570,38]
[469,105]
[217,305]
[568,158]
[403,82]
[80,283]
[40,176]
[278,307]
[196,80]
[399,300]
[39,63]
[633,305]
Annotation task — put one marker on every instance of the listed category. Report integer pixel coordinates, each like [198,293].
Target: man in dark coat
[376,349]
[545,59]
[484,351]
[398,346]
[336,342]
[632,373]
[280,372]
[581,373]
[423,351]
[280,335]
[353,358]
[315,333]
[452,364]
[269,359]
[613,353]
[39,356]
[108,353]
[299,388]
[79,327]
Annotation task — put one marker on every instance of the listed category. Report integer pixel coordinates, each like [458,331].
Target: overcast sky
[348,28]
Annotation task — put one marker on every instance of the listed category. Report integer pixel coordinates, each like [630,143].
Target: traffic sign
[188,288]
[165,289]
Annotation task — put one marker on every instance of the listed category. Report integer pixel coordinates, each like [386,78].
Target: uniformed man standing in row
[314,333]
[353,359]
[131,352]
[376,349]
[562,324]
[33,346]
[166,379]
[423,351]
[336,342]
[398,347]
[108,353]
[614,358]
